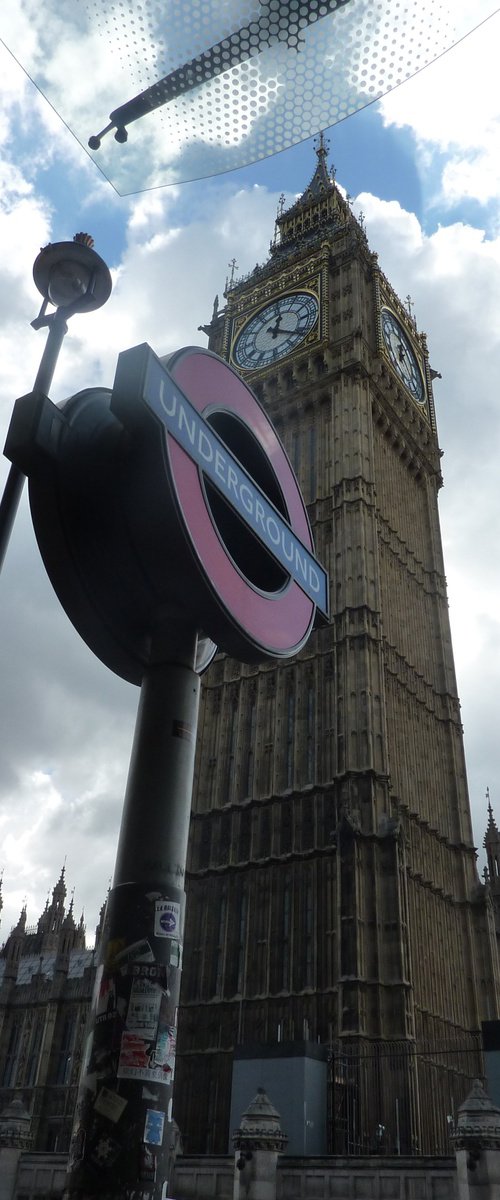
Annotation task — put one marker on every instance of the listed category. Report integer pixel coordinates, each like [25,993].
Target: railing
[399,1097]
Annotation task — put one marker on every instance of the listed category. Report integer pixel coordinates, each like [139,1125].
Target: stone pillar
[477,1147]
[257,1143]
[15,1136]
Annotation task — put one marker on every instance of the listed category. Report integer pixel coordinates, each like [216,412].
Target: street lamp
[74,279]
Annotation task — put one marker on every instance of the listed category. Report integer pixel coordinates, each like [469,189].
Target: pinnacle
[21,924]
[60,888]
[320,182]
[492,834]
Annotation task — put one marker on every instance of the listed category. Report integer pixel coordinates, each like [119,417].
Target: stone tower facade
[332,886]
[46,981]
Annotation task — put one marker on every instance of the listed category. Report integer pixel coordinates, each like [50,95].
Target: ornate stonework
[46,980]
[260,1127]
[478,1123]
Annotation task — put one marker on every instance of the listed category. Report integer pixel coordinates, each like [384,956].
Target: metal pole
[120,1144]
[15,479]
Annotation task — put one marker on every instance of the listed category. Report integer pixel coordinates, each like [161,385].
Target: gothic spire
[21,924]
[59,892]
[319,211]
[321,183]
[492,834]
[69,920]
[100,923]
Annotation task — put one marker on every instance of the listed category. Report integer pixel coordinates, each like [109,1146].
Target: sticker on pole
[167,919]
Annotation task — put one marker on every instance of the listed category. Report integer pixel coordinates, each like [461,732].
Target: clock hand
[282,329]
[275,329]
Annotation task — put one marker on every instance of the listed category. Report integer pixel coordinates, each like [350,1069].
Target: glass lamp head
[71,276]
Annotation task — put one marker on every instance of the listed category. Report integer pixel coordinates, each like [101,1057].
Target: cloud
[453,111]
[331,67]
[67,722]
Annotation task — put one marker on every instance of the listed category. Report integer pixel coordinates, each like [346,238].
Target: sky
[423,167]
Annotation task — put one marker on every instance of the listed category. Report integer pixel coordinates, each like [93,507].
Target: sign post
[120,1145]
[169,518]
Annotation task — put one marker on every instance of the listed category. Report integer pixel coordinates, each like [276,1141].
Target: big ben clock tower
[332,887]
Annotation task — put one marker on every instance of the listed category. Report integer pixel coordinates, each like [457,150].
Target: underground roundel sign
[239,548]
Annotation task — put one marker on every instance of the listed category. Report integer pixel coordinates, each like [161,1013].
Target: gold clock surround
[243,312]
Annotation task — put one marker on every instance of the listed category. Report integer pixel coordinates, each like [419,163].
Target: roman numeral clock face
[402,355]
[276,330]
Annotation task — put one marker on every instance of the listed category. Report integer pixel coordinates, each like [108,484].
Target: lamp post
[74,279]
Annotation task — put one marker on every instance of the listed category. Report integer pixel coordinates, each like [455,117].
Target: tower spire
[322,147]
[320,207]
[492,834]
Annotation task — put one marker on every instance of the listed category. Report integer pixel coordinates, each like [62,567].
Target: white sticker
[167,918]
[138,1061]
[110,1104]
[144,1009]
[175,954]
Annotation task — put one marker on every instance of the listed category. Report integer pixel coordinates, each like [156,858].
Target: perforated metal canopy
[194,88]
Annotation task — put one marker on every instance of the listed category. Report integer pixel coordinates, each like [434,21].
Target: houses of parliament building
[333,898]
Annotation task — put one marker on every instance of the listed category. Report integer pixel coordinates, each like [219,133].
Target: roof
[320,184]
[43,965]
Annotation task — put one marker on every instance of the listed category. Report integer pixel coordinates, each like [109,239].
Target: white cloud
[67,722]
[453,110]
[477,177]
[89,62]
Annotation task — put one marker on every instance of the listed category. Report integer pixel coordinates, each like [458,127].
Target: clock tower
[333,895]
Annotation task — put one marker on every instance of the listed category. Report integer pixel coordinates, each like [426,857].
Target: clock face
[402,356]
[275,330]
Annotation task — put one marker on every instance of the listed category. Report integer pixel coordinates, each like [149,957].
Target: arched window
[310,734]
[308,927]
[34,1053]
[289,736]
[286,933]
[250,763]
[11,1057]
[231,750]
[63,1062]
[242,936]
[218,955]
[312,463]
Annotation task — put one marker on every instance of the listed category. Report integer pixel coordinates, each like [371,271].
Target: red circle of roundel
[278,622]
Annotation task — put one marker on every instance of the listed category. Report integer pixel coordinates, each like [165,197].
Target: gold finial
[84,239]
[234,267]
[322,147]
